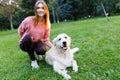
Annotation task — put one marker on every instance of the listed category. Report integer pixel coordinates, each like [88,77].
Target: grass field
[98,58]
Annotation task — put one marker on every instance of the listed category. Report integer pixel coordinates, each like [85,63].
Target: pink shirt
[39,33]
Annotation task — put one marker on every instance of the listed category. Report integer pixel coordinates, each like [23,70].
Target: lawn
[98,58]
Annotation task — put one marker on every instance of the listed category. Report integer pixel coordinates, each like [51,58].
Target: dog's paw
[75,69]
[77,49]
[67,77]
[65,71]
[75,66]
[34,64]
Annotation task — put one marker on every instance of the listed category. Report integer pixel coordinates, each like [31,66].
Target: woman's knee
[26,43]
[26,39]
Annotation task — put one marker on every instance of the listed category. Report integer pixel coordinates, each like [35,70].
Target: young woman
[34,33]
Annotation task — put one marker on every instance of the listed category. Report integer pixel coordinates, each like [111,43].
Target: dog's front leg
[75,66]
[61,70]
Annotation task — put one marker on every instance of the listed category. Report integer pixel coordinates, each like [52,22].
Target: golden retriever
[60,56]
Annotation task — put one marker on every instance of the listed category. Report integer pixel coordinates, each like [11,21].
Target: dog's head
[62,41]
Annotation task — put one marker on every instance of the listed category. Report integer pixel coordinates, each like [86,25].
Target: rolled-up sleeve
[22,28]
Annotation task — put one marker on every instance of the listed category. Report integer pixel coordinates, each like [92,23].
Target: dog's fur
[60,56]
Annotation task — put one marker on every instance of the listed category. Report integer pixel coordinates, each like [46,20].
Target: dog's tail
[74,50]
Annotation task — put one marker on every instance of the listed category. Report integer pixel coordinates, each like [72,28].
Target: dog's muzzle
[64,45]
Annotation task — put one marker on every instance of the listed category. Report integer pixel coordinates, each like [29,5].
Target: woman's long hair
[46,16]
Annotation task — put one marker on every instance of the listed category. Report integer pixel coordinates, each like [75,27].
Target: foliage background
[60,10]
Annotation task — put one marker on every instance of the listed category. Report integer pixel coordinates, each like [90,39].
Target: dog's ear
[69,38]
[54,41]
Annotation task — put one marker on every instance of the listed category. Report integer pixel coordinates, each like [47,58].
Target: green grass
[98,58]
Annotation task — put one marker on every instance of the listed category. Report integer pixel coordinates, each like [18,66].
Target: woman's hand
[32,39]
[20,41]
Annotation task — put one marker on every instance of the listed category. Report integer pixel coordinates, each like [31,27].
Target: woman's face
[40,10]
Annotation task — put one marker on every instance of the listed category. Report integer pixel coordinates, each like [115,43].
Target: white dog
[60,56]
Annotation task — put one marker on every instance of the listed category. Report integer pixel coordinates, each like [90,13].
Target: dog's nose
[64,43]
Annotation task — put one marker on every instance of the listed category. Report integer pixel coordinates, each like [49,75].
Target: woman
[34,33]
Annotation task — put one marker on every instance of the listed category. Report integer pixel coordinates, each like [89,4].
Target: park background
[12,12]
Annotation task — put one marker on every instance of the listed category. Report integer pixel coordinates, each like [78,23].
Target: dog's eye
[59,39]
[65,37]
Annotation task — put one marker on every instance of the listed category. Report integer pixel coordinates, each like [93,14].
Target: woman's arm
[47,38]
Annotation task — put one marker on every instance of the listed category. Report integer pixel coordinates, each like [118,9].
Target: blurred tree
[75,9]
[53,7]
[27,8]
[105,13]
[8,7]
[64,10]
[118,6]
